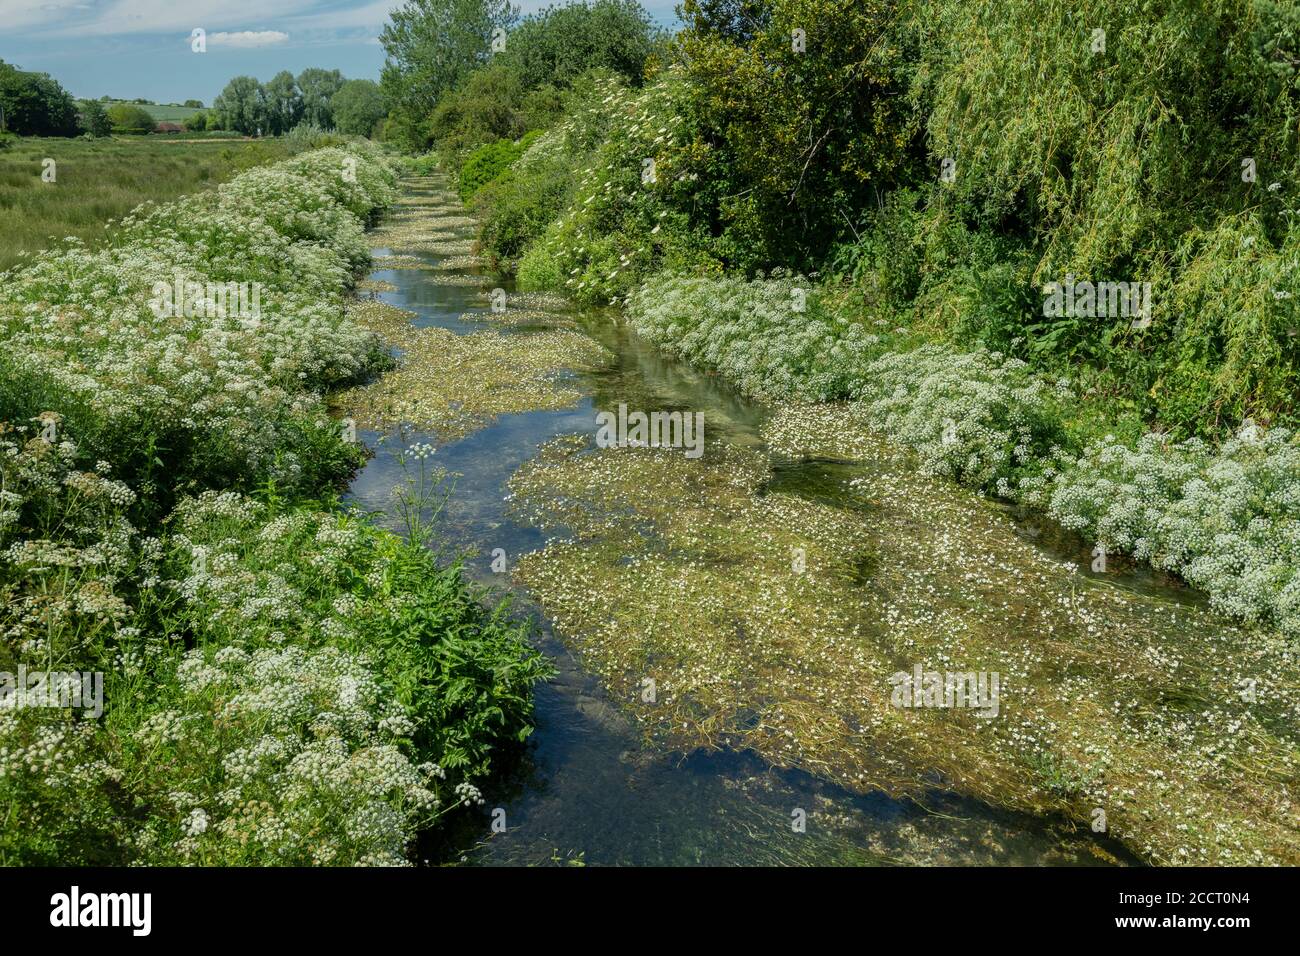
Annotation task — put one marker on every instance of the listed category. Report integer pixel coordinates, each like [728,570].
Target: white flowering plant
[633,209]
[1223,518]
[282,685]
[1226,519]
[976,417]
[207,393]
[773,336]
[283,682]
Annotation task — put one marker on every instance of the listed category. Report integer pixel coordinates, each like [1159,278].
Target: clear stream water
[586,790]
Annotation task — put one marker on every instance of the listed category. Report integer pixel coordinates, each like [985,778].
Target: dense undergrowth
[283,682]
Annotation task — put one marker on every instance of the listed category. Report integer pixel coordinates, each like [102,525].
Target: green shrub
[516,207]
[487,163]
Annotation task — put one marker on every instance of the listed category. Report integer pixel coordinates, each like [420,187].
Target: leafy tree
[197,122]
[431,46]
[803,118]
[130,118]
[34,104]
[318,88]
[357,107]
[283,102]
[193,104]
[242,106]
[94,118]
[558,44]
[486,108]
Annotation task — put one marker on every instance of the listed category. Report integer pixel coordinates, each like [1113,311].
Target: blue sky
[141,48]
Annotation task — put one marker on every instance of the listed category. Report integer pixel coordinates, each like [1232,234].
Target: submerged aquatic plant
[765,619]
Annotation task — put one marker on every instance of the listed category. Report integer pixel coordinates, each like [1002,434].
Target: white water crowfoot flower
[771,337]
[1225,519]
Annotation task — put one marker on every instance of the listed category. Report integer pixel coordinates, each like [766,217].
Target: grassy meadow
[102,180]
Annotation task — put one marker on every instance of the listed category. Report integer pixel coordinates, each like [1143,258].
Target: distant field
[163,114]
[104,179]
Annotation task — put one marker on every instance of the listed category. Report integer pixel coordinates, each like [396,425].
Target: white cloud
[247,39]
[373,14]
[116,17]
[35,13]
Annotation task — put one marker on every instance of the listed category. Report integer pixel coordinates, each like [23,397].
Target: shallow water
[588,789]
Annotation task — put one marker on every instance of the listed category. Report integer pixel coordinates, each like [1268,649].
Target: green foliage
[482,111]
[635,205]
[558,44]
[130,119]
[1115,159]
[515,208]
[318,88]
[93,118]
[284,106]
[34,104]
[283,685]
[357,107]
[792,139]
[749,154]
[1234,351]
[242,106]
[431,46]
[487,163]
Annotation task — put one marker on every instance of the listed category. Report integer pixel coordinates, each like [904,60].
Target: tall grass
[97,181]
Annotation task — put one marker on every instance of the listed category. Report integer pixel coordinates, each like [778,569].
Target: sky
[130,49]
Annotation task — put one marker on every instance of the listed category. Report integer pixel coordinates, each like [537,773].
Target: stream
[587,788]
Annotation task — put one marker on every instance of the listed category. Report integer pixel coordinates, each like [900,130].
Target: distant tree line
[34,104]
[315,97]
[461,73]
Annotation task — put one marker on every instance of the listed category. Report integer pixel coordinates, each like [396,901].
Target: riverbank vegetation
[99,181]
[284,682]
